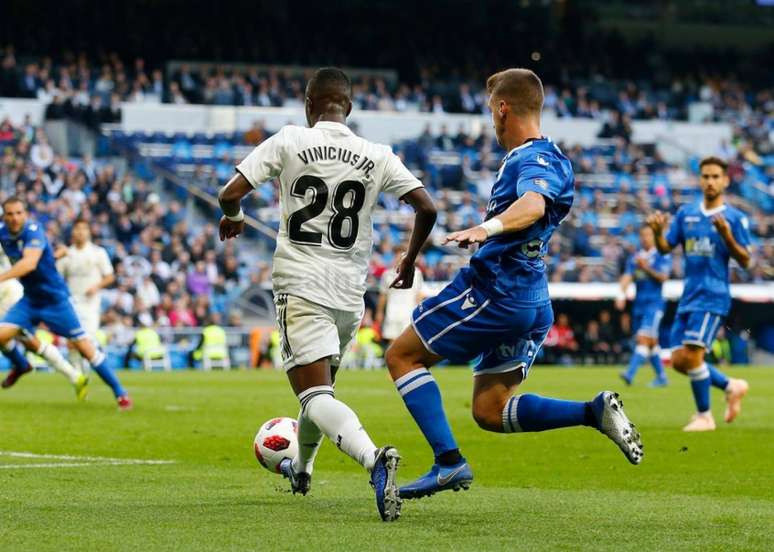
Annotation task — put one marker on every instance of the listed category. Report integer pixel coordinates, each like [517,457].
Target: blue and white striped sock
[422,396]
[529,412]
[655,360]
[718,378]
[700,385]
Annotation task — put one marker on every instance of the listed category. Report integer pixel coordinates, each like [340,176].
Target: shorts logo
[506,351]
[542,161]
[468,303]
[541,182]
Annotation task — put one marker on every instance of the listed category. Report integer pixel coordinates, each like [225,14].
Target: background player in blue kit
[498,310]
[46,298]
[711,233]
[648,269]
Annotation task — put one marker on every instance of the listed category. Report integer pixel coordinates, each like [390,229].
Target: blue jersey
[44,284]
[510,266]
[706,256]
[648,289]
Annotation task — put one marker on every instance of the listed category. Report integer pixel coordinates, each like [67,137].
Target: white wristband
[239,217]
[492,227]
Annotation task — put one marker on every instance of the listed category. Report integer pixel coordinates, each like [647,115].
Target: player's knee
[488,416]
[680,361]
[398,359]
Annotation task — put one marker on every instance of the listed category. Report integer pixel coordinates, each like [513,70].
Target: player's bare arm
[523,213]
[25,265]
[424,219]
[658,221]
[232,223]
[740,254]
[624,282]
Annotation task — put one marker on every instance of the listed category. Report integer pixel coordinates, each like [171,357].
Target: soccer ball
[277,439]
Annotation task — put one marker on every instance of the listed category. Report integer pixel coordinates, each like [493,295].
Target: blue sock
[99,364]
[640,355]
[655,360]
[15,354]
[536,413]
[422,396]
[718,378]
[700,384]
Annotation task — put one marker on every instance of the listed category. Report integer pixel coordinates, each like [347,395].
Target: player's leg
[640,355]
[309,340]
[98,362]
[497,407]
[649,332]
[12,350]
[688,359]
[61,318]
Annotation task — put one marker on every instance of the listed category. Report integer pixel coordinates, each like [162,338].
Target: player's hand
[91,291]
[60,251]
[464,238]
[641,262]
[721,225]
[657,221]
[405,277]
[620,304]
[230,229]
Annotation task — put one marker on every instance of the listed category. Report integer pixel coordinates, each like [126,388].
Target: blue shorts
[695,328]
[646,320]
[462,323]
[59,316]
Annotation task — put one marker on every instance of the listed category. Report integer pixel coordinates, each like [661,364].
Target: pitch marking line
[74,461]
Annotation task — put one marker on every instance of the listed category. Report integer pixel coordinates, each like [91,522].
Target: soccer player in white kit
[87,269]
[394,307]
[330,181]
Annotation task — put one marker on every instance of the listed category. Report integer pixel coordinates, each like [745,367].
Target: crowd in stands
[169,273]
[92,90]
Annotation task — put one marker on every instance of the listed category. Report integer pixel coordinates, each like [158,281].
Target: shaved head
[328,92]
[521,89]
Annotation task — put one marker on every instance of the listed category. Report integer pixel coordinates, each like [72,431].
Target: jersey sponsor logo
[541,161]
[692,219]
[468,303]
[700,246]
[532,248]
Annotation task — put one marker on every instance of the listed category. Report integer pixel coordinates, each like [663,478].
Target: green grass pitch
[564,490]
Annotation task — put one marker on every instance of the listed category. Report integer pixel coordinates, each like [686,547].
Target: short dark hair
[326,79]
[713,160]
[80,220]
[14,199]
[519,88]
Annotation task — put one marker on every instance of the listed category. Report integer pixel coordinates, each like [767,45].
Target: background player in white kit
[87,269]
[395,305]
[330,180]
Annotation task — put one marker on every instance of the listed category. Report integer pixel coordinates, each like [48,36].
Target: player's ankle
[449,458]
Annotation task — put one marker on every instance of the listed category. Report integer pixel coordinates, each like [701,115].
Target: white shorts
[394,326]
[309,332]
[89,319]
[11,292]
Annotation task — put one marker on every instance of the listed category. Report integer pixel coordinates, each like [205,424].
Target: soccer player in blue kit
[46,298]
[498,310]
[648,269]
[711,233]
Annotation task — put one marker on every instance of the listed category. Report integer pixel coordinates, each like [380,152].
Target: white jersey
[83,268]
[330,180]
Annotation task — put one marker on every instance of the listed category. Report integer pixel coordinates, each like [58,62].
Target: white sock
[339,423]
[55,359]
[309,440]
